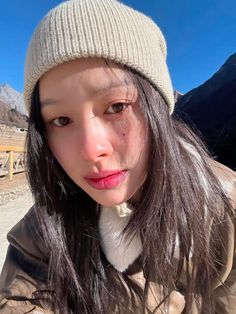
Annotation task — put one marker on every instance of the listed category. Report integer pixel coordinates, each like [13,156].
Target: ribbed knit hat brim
[98,28]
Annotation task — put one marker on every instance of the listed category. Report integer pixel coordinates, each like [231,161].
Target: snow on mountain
[11,97]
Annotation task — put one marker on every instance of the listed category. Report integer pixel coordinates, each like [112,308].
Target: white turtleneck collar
[119,250]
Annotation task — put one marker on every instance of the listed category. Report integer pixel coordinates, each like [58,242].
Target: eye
[61,121]
[117,108]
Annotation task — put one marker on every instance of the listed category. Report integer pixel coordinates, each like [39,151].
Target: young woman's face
[95,128]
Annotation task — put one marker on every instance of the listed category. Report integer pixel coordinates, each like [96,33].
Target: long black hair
[180,199]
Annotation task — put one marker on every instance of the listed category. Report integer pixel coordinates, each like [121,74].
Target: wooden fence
[11,160]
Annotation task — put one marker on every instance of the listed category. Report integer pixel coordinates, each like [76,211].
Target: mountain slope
[11,97]
[10,102]
[211,107]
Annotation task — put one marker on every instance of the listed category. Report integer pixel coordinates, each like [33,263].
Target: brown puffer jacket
[24,273]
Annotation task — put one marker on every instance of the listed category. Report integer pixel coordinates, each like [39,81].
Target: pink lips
[106,179]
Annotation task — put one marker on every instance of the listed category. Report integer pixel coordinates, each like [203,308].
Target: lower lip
[108,182]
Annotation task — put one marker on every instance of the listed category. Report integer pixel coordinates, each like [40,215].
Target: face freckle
[103,152]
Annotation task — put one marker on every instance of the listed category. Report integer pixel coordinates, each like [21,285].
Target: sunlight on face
[95,128]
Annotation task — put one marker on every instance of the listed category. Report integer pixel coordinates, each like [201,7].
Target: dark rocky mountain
[177,95]
[211,108]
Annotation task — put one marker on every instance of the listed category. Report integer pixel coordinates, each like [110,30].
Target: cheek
[121,134]
[63,150]
[132,135]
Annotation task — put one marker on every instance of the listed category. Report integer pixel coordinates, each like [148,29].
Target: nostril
[102,155]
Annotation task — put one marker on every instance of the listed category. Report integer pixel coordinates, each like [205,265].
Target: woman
[130,214]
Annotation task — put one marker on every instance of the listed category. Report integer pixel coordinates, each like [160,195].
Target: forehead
[92,74]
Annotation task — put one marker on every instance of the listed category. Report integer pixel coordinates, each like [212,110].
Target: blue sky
[200,36]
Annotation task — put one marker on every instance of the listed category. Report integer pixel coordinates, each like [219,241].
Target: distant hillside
[211,107]
[13,98]
[12,112]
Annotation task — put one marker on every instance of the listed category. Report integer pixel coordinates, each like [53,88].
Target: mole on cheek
[123,134]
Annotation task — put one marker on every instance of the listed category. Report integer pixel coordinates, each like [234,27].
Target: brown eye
[117,108]
[61,121]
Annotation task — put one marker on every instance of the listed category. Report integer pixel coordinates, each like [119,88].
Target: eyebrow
[112,85]
[49,101]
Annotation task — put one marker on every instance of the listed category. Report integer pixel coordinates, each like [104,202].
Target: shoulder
[25,269]
[227,228]
[26,236]
[227,179]
[26,253]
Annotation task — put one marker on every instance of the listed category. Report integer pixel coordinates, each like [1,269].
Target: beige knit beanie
[98,28]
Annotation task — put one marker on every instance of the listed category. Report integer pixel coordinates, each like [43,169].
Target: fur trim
[119,250]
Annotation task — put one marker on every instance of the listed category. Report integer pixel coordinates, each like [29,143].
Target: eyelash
[124,104]
[115,105]
[59,126]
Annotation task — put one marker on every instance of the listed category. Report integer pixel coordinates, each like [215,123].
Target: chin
[110,201]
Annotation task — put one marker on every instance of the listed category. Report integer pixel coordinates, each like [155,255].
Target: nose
[95,143]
